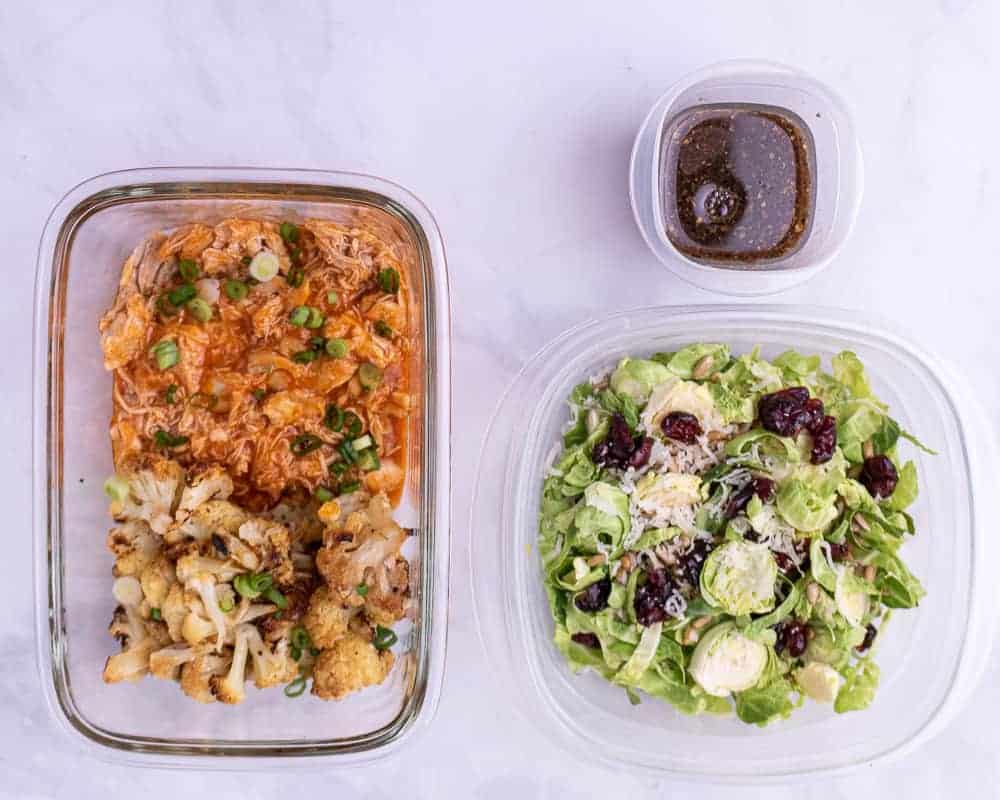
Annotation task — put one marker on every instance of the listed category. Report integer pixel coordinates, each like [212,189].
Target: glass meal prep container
[932,656]
[83,247]
[743,152]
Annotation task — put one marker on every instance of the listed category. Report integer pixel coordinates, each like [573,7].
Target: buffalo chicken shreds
[263,348]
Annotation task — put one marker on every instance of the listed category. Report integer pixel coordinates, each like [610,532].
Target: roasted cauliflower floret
[231,688]
[388,592]
[374,537]
[196,675]
[174,611]
[270,542]
[204,585]
[152,496]
[326,619]
[156,580]
[352,663]
[214,517]
[190,566]
[134,546]
[212,484]
[270,667]
[128,627]
[166,664]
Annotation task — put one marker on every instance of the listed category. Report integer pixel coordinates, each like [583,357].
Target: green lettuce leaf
[762,705]
[858,691]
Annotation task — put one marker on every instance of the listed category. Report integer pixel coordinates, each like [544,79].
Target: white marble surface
[514,125]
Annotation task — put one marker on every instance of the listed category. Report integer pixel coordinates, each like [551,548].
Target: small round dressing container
[827,168]
[932,656]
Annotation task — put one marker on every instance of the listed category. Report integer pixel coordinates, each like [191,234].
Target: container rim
[191,182]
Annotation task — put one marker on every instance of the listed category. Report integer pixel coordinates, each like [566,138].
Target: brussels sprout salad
[723,532]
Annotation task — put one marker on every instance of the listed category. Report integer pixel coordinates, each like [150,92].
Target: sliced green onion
[369,460]
[116,489]
[337,348]
[323,494]
[362,589]
[316,318]
[304,357]
[295,277]
[362,442]
[182,294]
[388,280]
[296,687]
[296,652]
[276,597]
[299,316]
[353,423]
[349,487]
[333,418]
[226,605]
[347,452]
[305,443]
[171,395]
[166,353]
[384,638]
[252,585]
[164,306]
[299,637]
[235,290]
[289,232]
[188,269]
[165,439]
[382,329]
[317,343]
[155,615]
[259,394]
[200,310]
[338,468]
[264,266]
[332,298]
[246,261]
[369,375]
[294,252]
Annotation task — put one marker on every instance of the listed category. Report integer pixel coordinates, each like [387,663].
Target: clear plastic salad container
[838,179]
[83,247]
[931,657]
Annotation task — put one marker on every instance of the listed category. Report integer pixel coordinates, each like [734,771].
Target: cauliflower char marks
[214,361]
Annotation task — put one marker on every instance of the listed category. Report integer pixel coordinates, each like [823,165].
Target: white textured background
[514,126]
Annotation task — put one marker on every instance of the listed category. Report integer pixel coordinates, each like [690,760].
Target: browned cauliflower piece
[174,610]
[134,546]
[152,496]
[211,518]
[270,667]
[369,537]
[271,544]
[138,642]
[156,580]
[388,592]
[196,675]
[326,619]
[212,484]
[166,663]
[231,687]
[352,663]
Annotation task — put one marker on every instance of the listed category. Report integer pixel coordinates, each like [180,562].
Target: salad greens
[723,532]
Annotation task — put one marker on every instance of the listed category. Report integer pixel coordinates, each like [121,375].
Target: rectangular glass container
[931,657]
[85,242]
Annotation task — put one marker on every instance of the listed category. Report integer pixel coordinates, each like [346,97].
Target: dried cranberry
[840,552]
[594,597]
[763,488]
[879,476]
[824,440]
[792,637]
[651,598]
[681,427]
[784,562]
[620,437]
[784,412]
[694,559]
[870,633]
[812,414]
[586,639]
[601,453]
[737,501]
[641,454]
